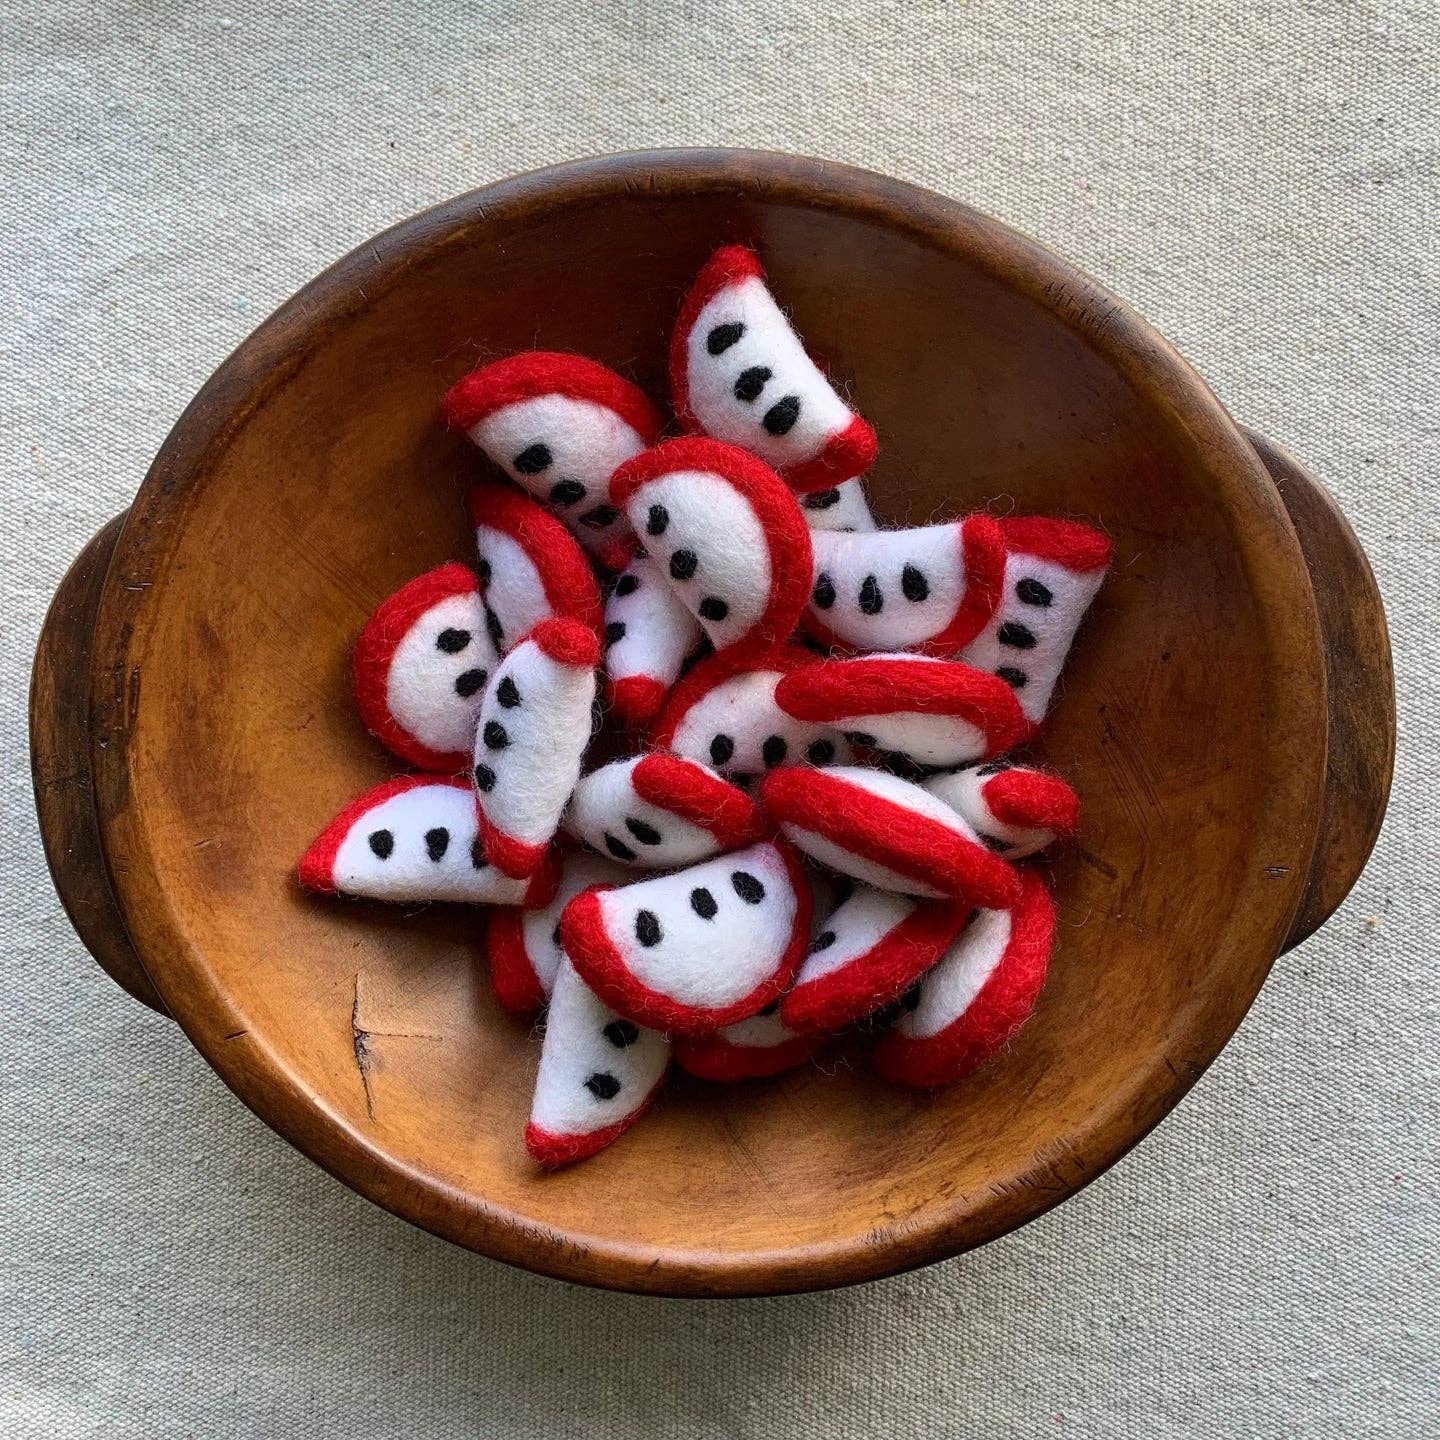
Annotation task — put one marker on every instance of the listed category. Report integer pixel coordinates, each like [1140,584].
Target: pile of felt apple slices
[803,823]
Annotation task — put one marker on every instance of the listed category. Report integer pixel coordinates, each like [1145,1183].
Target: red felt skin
[982,548]
[713,1057]
[779,513]
[565,573]
[849,453]
[375,652]
[635,700]
[548,372]
[1063,542]
[567,642]
[836,690]
[882,974]
[1003,1005]
[554,1151]
[602,965]
[512,977]
[715,670]
[701,797]
[888,834]
[1032,800]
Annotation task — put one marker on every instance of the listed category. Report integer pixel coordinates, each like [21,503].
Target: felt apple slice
[699,948]
[559,426]
[1052,570]
[866,955]
[530,566]
[1015,810]
[937,712]
[415,839]
[726,534]
[886,831]
[598,1074]
[723,713]
[420,668]
[661,812]
[930,589]
[841,507]
[532,733]
[649,634]
[738,372]
[976,997]
[523,946]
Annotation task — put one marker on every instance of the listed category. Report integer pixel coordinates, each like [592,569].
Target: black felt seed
[437,842]
[1011,676]
[600,517]
[722,337]
[1016,636]
[702,902]
[820,499]
[913,584]
[823,941]
[1032,592]
[722,747]
[859,737]
[507,693]
[533,459]
[382,844]
[603,1085]
[772,752]
[494,630]
[780,418]
[451,641]
[751,383]
[484,568]
[645,834]
[621,1033]
[555,935]
[494,735]
[993,842]
[823,595]
[618,848]
[478,860]
[647,928]
[614,631]
[627,584]
[656,520]
[747,887]
[712,607]
[470,682]
[567,491]
[872,602]
[484,778]
[683,564]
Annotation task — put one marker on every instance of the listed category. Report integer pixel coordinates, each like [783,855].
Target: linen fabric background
[1260,180]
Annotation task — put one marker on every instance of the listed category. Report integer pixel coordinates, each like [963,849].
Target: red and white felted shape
[931,589]
[1052,570]
[1014,809]
[598,1074]
[531,569]
[841,507]
[887,832]
[976,997]
[725,533]
[523,946]
[936,712]
[412,840]
[723,713]
[560,425]
[867,954]
[699,948]
[649,634]
[661,812]
[532,734]
[420,668]
[738,372]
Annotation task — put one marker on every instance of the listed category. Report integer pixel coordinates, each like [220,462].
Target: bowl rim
[1270,554]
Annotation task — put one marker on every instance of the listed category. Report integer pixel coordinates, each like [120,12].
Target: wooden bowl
[193,727]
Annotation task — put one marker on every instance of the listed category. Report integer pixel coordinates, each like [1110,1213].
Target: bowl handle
[1360,688]
[60,769]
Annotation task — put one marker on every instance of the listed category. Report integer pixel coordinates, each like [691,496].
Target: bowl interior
[312,478]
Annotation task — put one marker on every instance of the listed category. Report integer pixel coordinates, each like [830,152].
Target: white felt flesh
[706,960]
[425,683]
[865,919]
[657,632]
[586,442]
[926,739]
[964,792]
[758,1032]
[596,1068]
[406,827]
[949,988]
[912,583]
[1048,629]
[533,746]
[848,509]
[857,867]
[514,592]
[607,814]
[580,871]
[714,524]
[768,343]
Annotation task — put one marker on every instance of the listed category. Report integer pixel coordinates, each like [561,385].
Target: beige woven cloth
[1260,179]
